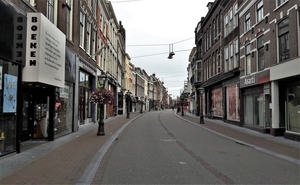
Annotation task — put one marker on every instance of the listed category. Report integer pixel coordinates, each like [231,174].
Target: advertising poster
[10,94]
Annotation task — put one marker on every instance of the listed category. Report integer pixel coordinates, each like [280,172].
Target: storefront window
[64,110]
[293,107]
[216,100]
[233,102]
[84,110]
[8,106]
[254,109]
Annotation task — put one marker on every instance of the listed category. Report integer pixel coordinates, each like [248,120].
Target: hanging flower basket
[102,96]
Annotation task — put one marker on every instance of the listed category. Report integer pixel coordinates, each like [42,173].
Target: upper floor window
[199,70]
[95,7]
[260,11]
[50,10]
[32,3]
[226,25]
[88,38]
[217,25]
[280,2]
[283,40]
[247,22]
[69,15]
[260,53]
[81,29]
[248,59]
[236,18]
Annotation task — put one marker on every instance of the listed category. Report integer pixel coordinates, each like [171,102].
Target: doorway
[35,123]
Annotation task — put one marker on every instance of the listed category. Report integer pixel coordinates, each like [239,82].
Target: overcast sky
[156,24]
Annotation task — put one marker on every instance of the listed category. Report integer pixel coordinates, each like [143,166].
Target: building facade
[53,64]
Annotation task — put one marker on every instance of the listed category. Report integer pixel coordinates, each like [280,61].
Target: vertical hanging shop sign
[10,93]
[19,44]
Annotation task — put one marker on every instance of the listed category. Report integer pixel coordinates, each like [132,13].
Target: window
[236,18]
[93,43]
[219,63]
[226,58]
[231,59]
[226,25]
[50,10]
[260,50]
[199,72]
[247,22]
[81,31]
[217,25]
[95,7]
[69,14]
[214,31]
[283,37]
[260,11]
[236,52]
[248,59]
[88,38]
[32,3]
[280,2]
[214,64]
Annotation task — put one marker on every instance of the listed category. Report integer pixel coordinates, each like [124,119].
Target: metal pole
[182,109]
[101,122]
[201,113]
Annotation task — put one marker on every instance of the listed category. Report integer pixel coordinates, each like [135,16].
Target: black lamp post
[128,99]
[182,106]
[201,91]
[101,121]
[142,99]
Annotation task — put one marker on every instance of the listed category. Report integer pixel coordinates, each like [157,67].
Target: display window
[8,106]
[293,107]
[63,118]
[254,109]
[216,100]
[233,103]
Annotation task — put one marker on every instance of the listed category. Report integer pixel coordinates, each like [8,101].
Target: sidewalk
[276,146]
[62,161]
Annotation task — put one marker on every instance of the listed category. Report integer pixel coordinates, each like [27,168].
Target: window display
[293,107]
[233,103]
[216,102]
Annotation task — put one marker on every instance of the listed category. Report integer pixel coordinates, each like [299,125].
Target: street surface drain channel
[208,167]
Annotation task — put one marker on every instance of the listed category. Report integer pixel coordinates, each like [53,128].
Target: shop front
[255,101]
[8,106]
[12,58]
[87,83]
[43,75]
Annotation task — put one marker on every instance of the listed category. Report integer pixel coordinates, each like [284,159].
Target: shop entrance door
[35,116]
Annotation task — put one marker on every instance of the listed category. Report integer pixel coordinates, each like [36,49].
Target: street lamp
[128,99]
[101,132]
[142,99]
[182,105]
[201,91]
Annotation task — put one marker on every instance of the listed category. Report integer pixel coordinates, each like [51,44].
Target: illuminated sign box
[45,54]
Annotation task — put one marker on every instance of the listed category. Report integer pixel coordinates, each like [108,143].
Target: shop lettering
[249,81]
[33,45]
[18,41]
